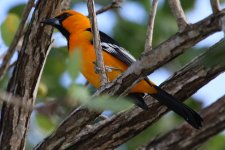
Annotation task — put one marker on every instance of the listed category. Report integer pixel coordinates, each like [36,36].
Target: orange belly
[88,70]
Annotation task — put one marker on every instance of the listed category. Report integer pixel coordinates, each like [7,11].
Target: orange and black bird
[76,28]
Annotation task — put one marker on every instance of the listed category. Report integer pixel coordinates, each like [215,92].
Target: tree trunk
[26,75]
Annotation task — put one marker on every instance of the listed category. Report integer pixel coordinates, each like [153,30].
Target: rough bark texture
[26,76]
[19,32]
[184,137]
[166,51]
[71,126]
[120,128]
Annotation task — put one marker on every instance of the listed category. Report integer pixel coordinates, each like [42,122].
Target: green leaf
[42,89]
[46,124]
[109,103]
[73,64]
[9,28]
[100,103]
[217,143]
[187,5]
[216,55]
[18,9]
[53,70]
[79,93]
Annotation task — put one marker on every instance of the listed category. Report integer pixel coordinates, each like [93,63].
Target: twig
[66,4]
[2,56]
[174,46]
[12,65]
[100,67]
[19,32]
[215,5]
[151,20]
[179,14]
[128,124]
[114,4]
[184,137]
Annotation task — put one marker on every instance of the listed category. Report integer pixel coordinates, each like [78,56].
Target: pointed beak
[51,21]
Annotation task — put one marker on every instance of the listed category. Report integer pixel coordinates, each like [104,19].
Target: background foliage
[59,78]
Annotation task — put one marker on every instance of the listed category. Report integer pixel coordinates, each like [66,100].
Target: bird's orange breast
[114,65]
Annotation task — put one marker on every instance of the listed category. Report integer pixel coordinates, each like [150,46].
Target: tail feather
[137,99]
[192,117]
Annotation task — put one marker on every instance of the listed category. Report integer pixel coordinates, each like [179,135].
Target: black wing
[112,47]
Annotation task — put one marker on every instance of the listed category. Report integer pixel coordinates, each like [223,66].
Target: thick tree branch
[12,48]
[128,124]
[178,13]
[151,20]
[166,51]
[184,137]
[100,66]
[26,76]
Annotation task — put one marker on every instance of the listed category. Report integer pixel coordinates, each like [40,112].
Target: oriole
[76,29]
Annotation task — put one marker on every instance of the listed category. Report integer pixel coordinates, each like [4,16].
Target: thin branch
[215,5]
[66,4]
[151,20]
[19,32]
[174,46]
[2,56]
[100,66]
[184,137]
[178,14]
[114,4]
[182,85]
[12,65]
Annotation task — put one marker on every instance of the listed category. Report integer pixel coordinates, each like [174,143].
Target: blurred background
[127,25]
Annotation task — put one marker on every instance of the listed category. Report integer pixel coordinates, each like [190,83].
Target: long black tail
[178,107]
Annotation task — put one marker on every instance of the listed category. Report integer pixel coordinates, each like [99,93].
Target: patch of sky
[200,11]
[211,91]
[160,75]
[65,80]
[133,11]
